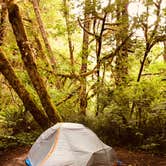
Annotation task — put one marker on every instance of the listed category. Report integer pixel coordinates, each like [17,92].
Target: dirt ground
[15,157]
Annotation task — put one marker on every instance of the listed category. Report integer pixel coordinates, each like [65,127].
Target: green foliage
[23,138]
[146,128]
[15,124]
[12,120]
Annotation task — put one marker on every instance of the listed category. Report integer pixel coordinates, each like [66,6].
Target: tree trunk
[27,57]
[44,33]
[69,33]
[150,36]
[121,68]
[85,47]
[51,59]
[99,41]
[8,72]
[2,22]
[164,55]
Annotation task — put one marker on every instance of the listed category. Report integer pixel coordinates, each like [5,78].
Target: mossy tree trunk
[121,68]
[85,53]
[164,55]
[3,22]
[27,57]
[51,59]
[69,32]
[99,41]
[8,72]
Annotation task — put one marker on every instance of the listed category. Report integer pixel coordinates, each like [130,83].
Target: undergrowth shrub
[145,129]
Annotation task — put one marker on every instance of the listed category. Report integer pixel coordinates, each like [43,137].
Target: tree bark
[27,57]
[2,22]
[8,72]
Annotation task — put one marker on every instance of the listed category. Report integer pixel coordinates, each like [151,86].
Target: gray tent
[70,144]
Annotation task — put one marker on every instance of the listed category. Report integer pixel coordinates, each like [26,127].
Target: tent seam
[52,148]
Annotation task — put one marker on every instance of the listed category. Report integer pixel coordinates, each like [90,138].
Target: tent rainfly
[70,144]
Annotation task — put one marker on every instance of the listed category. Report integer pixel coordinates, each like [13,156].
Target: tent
[70,144]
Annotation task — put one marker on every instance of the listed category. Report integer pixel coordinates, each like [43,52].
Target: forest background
[100,63]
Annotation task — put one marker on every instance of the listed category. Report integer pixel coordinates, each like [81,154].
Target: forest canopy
[97,62]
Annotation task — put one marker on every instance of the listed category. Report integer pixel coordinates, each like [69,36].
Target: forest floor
[16,156]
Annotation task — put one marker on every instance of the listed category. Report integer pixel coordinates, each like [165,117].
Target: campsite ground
[16,156]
